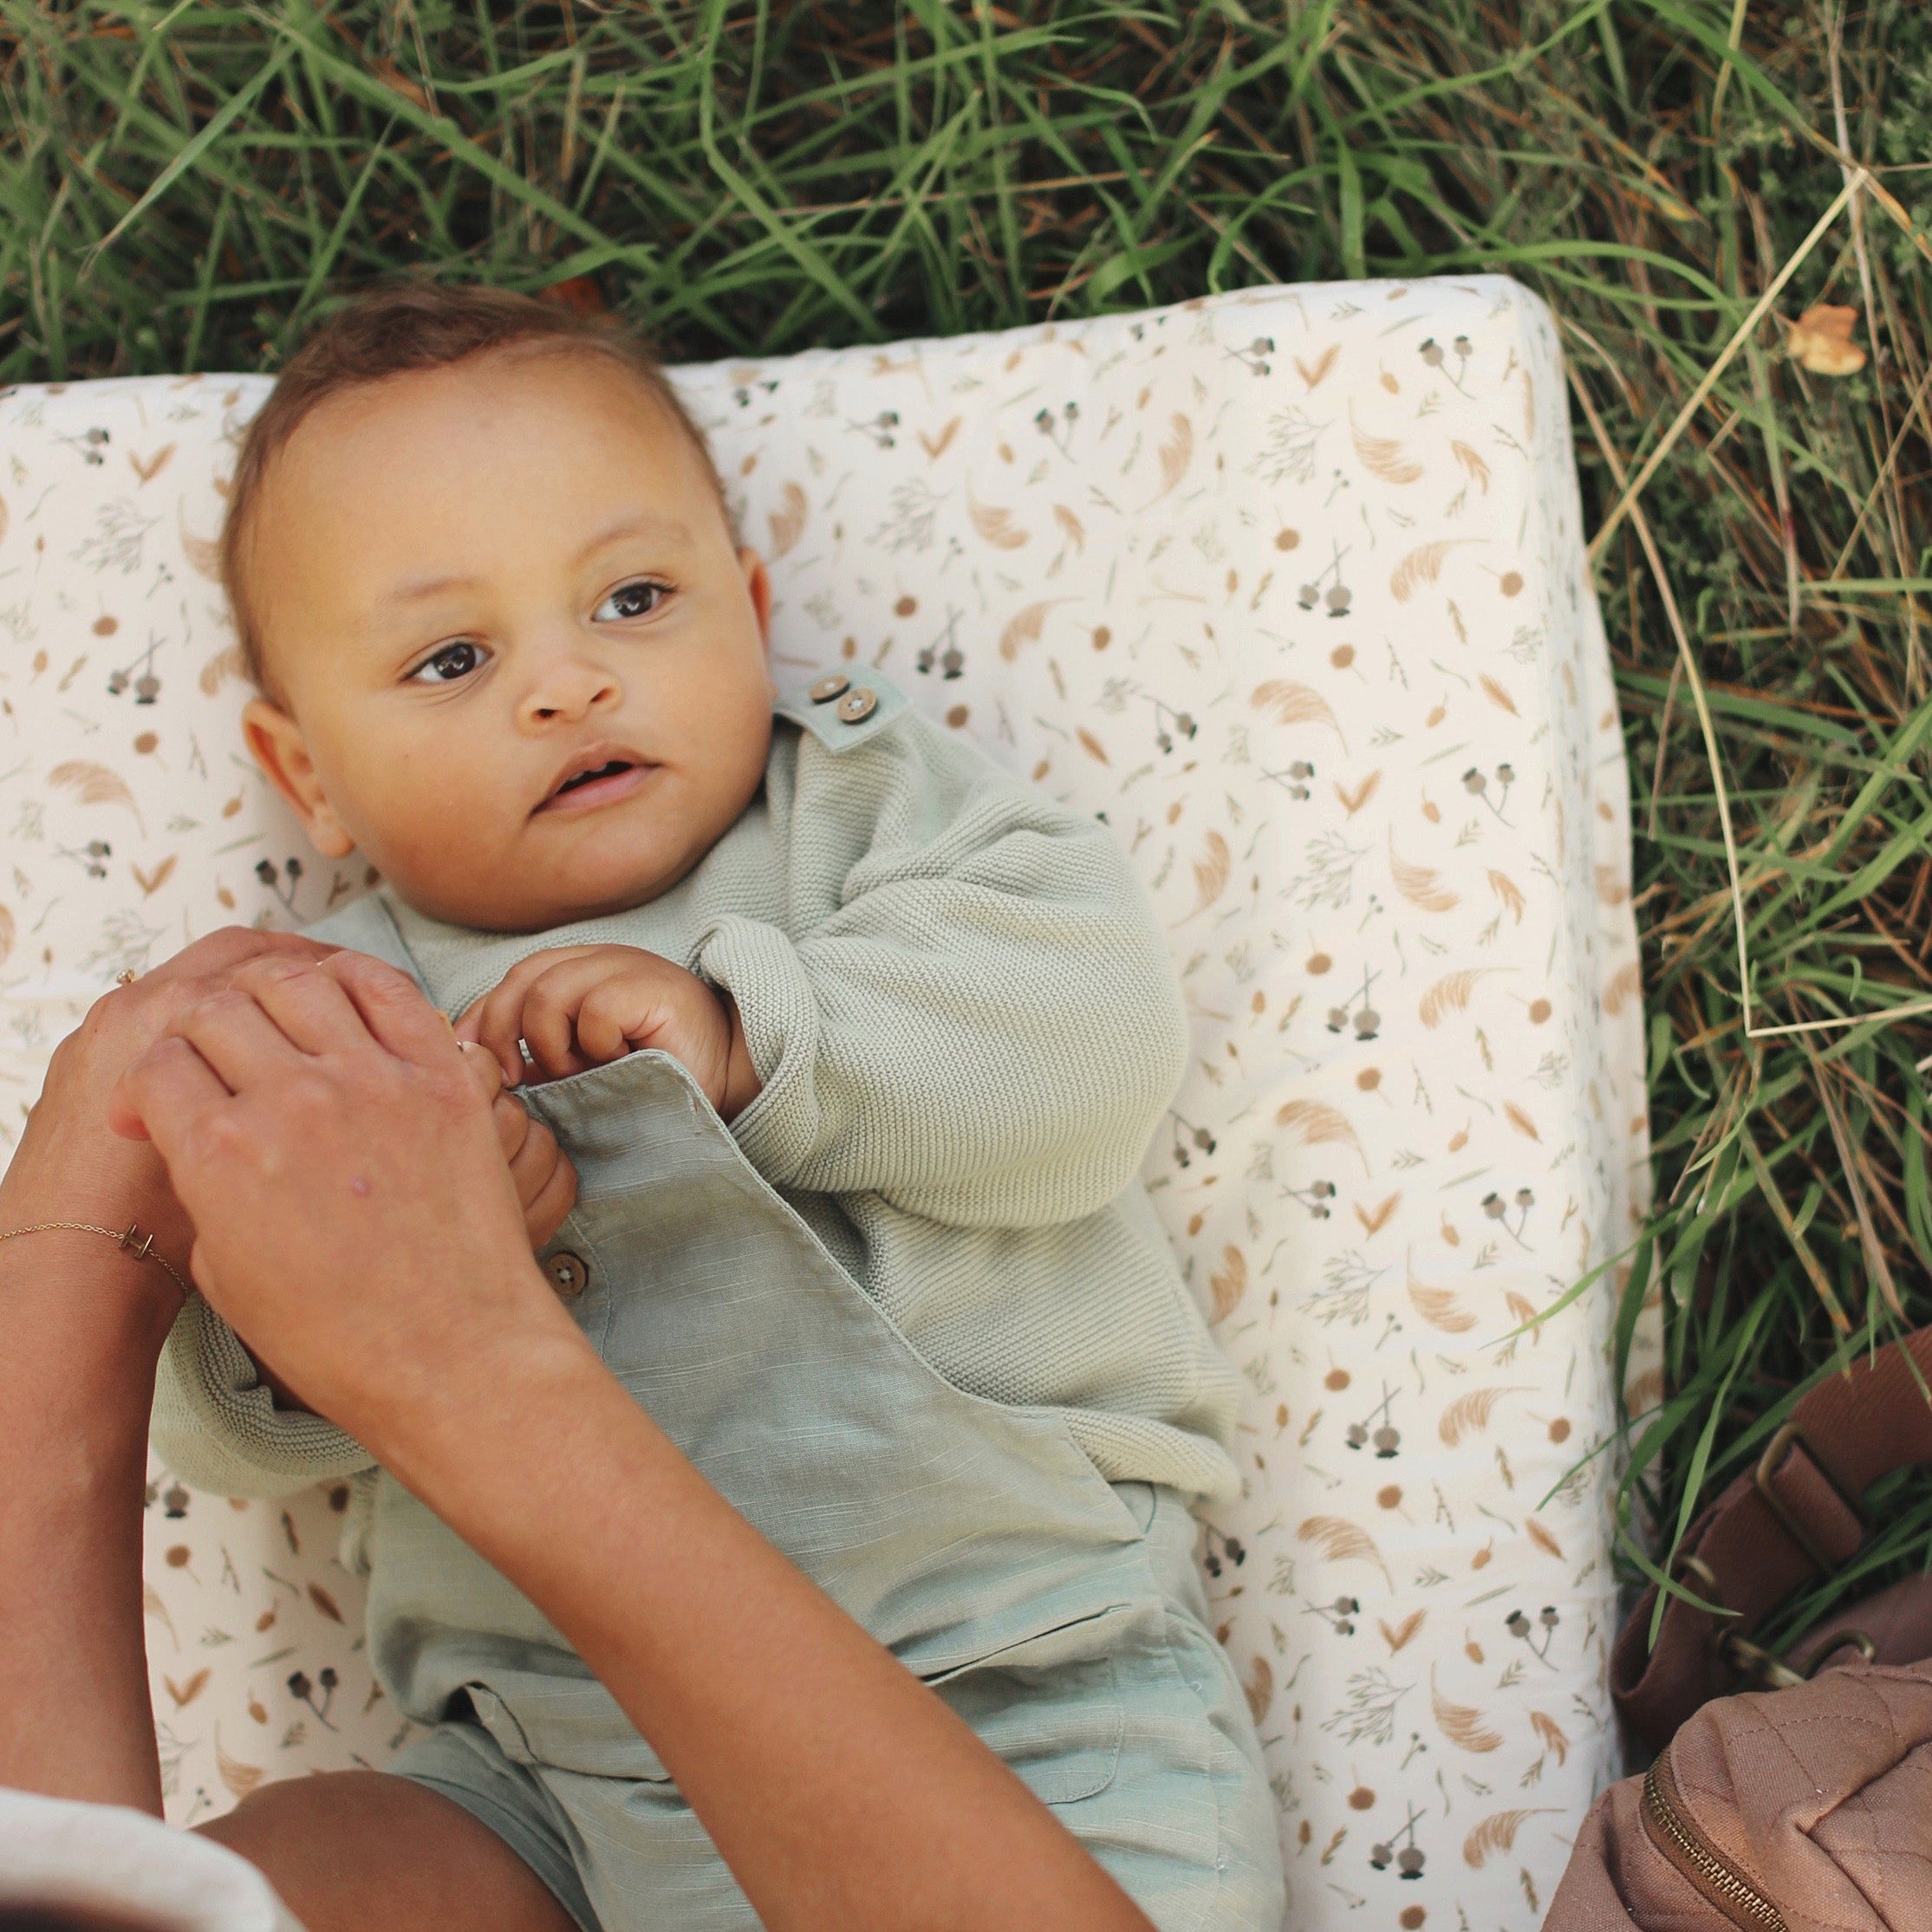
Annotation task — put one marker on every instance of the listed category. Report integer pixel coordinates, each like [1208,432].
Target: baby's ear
[276,741]
[758,583]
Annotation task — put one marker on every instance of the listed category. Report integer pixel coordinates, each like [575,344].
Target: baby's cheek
[437,838]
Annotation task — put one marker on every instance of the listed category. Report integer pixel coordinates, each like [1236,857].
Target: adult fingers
[531,1156]
[311,1008]
[546,1184]
[217,954]
[481,1066]
[393,1009]
[167,1095]
[536,1159]
[506,1112]
[497,1019]
[244,1047]
[121,1023]
[229,946]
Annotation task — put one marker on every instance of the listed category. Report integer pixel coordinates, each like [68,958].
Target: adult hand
[545,1181]
[68,1166]
[356,1218]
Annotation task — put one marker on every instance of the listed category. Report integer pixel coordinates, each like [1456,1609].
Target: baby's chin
[553,870]
[536,895]
[559,903]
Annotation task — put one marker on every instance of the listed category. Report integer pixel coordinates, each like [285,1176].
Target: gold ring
[125,976]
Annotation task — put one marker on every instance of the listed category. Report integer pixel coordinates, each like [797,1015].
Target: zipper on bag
[1715,1880]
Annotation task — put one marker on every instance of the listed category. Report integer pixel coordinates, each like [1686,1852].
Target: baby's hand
[579,1006]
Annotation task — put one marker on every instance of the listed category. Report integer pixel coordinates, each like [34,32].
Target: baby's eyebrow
[668,529]
[641,524]
[423,588]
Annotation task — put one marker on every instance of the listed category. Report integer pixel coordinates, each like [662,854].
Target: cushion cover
[1289,586]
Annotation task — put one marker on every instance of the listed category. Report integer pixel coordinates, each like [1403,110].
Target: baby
[856,1044]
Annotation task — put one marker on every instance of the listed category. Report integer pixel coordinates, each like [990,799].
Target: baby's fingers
[497,1019]
[550,1009]
[620,1011]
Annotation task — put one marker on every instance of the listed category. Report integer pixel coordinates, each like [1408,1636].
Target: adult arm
[84,1324]
[84,1321]
[323,1115]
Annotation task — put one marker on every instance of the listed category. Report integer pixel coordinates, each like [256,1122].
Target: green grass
[183,187]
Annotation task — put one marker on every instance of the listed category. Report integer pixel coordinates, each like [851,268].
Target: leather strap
[1794,1516]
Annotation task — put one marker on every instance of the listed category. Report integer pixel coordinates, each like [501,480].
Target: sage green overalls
[1060,1615]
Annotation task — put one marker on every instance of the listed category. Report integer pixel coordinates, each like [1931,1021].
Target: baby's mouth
[600,784]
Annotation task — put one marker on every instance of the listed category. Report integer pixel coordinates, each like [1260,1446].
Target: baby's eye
[447,665]
[639,598]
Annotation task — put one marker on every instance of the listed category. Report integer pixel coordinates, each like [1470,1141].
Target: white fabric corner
[109,1858]
[1289,585]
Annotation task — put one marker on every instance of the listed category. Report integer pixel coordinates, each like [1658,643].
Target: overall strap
[1795,1516]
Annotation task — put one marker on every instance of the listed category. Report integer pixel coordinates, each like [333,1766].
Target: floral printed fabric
[1287,585]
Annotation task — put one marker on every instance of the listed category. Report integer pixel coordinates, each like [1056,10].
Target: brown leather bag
[1805,1804]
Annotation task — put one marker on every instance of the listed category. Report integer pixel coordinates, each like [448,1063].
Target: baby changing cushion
[1288,586]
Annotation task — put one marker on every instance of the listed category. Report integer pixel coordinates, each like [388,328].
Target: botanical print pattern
[1286,585]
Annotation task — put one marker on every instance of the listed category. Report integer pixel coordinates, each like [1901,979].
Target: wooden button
[568,1273]
[828,688]
[855,707]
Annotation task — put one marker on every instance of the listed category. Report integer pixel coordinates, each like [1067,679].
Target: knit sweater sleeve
[974,1016]
[217,1424]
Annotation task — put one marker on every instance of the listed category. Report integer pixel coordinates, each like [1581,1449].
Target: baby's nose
[568,686]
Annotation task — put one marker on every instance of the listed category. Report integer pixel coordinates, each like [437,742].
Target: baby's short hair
[391,331]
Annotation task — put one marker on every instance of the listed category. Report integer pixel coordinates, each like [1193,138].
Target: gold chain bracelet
[142,1246]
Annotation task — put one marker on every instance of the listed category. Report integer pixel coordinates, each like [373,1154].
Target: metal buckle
[1751,1661]
[1786,1438]
[1774,1673]
[1695,1566]
[1858,1641]
[1754,1660]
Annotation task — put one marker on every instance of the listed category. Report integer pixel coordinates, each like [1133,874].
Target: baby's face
[475,584]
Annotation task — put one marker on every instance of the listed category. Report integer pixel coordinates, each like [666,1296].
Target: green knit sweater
[967,1028]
